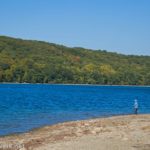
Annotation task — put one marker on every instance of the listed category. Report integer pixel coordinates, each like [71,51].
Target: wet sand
[131,132]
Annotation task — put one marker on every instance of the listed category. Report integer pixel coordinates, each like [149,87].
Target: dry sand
[130,132]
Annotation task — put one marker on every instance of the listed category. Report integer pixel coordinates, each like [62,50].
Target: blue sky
[122,26]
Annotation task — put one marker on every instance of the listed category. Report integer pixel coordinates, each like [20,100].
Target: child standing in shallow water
[135,107]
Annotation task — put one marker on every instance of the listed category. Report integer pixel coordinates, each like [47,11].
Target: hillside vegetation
[42,62]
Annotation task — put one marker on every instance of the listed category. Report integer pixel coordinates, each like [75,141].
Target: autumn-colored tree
[42,62]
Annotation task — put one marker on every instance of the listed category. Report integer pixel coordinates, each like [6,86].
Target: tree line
[42,62]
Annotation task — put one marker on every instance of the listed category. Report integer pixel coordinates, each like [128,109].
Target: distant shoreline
[75,84]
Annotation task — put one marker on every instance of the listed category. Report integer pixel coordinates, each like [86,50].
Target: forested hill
[42,62]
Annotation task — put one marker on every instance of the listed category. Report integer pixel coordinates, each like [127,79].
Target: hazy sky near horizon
[121,26]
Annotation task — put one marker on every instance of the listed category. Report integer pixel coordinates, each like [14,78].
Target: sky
[121,26]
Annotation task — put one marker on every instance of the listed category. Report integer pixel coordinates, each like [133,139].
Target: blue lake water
[27,106]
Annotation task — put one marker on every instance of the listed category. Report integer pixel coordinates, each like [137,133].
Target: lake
[27,106]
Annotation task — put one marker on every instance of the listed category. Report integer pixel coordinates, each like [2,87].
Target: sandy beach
[131,132]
